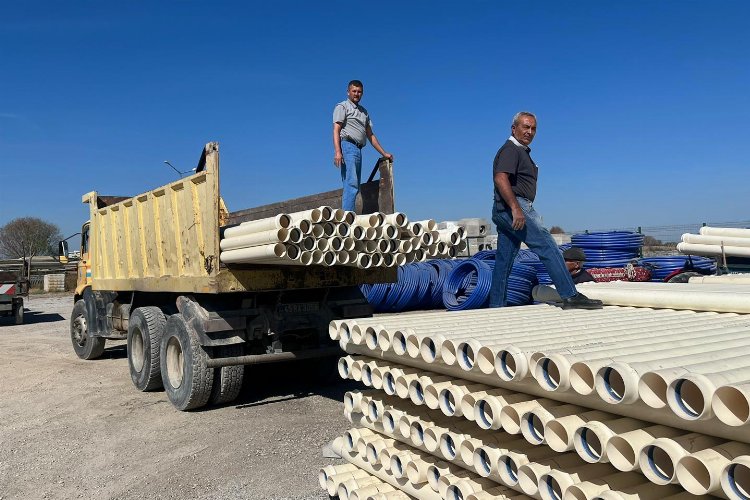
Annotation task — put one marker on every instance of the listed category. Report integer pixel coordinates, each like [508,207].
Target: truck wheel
[227,379]
[18,313]
[187,380]
[145,330]
[86,347]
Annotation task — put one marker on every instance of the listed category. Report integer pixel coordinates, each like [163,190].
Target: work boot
[580,301]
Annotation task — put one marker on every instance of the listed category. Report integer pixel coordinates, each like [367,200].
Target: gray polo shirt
[354,120]
[514,159]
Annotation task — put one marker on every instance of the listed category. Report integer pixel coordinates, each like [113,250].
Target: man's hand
[388,155]
[519,219]
[338,159]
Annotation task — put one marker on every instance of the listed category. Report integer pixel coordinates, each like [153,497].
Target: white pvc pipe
[534,421]
[690,396]
[586,490]
[725,231]
[713,250]
[398,219]
[658,460]
[731,404]
[530,473]
[648,296]
[735,479]
[554,484]
[618,382]
[700,472]
[715,240]
[642,492]
[590,440]
[278,222]
[736,279]
[246,254]
[254,239]
[560,432]
[624,449]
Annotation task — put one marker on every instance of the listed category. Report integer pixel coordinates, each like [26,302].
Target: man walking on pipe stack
[515,176]
[351,129]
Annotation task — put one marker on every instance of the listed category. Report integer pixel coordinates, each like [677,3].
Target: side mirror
[62,250]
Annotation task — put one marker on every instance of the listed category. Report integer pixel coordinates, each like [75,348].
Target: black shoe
[580,301]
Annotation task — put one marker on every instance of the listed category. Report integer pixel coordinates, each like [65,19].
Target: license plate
[301,308]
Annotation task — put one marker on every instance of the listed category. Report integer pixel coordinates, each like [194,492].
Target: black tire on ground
[227,379]
[683,277]
[145,330]
[18,313]
[187,380]
[86,347]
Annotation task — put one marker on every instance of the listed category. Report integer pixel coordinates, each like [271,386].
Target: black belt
[349,139]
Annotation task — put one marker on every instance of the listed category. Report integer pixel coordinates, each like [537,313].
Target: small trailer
[13,288]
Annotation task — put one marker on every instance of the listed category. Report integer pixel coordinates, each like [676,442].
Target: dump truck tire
[227,379]
[145,330]
[18,312]
[86,347]
[187,380]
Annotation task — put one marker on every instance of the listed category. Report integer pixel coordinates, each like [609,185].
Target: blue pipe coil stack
[609,249]
[663,266]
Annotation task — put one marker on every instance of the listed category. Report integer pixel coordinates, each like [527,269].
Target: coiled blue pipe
[609,249]
[661,267]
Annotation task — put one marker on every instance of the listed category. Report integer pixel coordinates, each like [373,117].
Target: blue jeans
[539,241]
[351,172]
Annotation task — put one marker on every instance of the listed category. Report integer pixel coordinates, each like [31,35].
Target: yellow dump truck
[150,273]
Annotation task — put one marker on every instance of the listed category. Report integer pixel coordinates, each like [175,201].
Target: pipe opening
[689,398]
[483,415]
[398,344]
[384,343]
[416,433]
[590,444]
[349,402]
[653,390]
[448,446]
[416,392]
[343,367]
[371,454]
[510,419]
[428,350]
[614,384]
[731,406]
[389,384]
[693,475]
[535,428]
[660,463]
[621,454]
[397,467]
[373,411]
[433,477]
[574,492]
[371,338]
[485,360]
[738,476]
[344,332]
[367,375]
[389,423]
[454,492]
[550,374]
[349,441]
[507,366]
[582,379]
[466,357]
[447,403]
[412,346]
[557,436]
[483,463]
[553,488]
[509,470]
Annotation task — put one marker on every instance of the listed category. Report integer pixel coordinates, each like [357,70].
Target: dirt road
[79,429]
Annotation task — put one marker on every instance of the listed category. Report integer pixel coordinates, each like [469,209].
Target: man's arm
[338,157]
[376,144]
[502,184]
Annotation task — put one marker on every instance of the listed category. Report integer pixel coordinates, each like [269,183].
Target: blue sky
[643,106]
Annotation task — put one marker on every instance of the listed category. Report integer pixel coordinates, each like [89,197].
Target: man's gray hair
[518,116]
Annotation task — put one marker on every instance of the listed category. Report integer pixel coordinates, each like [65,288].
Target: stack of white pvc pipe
[717,241]
[620,403]
[330,237]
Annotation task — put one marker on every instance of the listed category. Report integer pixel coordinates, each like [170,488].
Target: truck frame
[150,273]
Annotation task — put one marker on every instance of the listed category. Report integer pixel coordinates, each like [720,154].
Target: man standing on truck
[515,175]
[351,129]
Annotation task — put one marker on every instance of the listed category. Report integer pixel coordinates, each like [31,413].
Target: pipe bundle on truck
[151,272]
[540,402]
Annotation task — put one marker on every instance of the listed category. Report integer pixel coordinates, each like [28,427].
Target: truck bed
[167,239]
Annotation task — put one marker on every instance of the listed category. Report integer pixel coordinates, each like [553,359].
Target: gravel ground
[79,429]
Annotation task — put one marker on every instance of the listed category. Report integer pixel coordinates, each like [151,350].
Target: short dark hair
[355,83]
